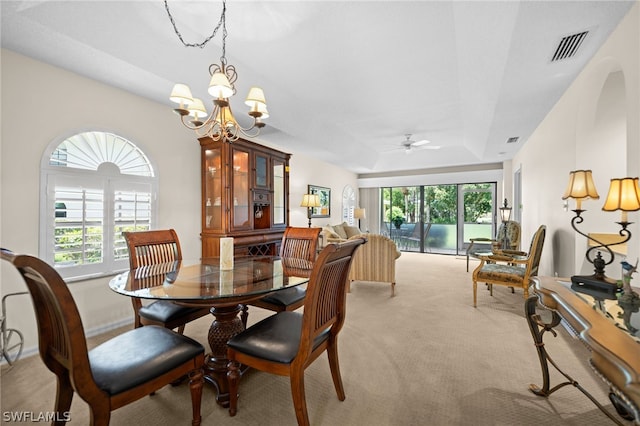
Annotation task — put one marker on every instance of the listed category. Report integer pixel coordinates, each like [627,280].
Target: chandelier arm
[202,44]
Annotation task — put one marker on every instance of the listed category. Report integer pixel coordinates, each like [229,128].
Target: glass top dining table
[203,283]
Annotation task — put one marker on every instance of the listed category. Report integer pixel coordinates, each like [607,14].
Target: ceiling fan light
[219,86]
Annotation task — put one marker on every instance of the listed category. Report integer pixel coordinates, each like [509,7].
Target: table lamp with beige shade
[623,195]
[310,201]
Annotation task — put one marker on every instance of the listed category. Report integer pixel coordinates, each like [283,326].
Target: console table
[610,331]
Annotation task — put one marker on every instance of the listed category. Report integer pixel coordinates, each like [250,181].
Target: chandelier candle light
[220,125]
[624,195]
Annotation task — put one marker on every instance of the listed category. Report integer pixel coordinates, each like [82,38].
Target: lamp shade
[505,212]
[255,98]
[359,214]
[262,108]
[197,109]
[310,200]
[219,86]
[580,187]
[181,94]
[624,195]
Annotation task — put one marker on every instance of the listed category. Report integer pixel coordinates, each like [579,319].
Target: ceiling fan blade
[420,143]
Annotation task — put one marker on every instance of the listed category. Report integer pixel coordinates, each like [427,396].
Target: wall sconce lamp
[359,214]
[310,201]
[624,195]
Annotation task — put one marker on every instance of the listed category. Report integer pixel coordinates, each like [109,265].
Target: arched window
[348,204]
[94,186]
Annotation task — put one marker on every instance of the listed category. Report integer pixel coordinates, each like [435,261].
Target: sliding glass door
[478,213]
[437,218]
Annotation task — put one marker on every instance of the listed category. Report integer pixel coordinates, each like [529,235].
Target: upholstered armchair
[481,245]
[375,261]
[511,268]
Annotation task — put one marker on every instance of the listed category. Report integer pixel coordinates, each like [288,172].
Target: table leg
[538,328]
[226,324]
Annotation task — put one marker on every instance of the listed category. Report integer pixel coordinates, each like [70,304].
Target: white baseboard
[27,352]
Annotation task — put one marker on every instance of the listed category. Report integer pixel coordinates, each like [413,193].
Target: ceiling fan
[409,145]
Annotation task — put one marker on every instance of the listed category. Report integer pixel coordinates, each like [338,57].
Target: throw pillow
[339,229]
[351,230]
[330,232]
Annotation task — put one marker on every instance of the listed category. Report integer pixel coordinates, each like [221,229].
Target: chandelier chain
[221,23]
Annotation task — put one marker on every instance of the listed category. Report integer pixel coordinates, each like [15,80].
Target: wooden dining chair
[117,372]
[152,248]
[297,243]
[288,342]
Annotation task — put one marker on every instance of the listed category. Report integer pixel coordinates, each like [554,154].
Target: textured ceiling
[344,81]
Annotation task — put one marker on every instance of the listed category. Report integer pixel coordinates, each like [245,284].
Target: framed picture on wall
[325,201]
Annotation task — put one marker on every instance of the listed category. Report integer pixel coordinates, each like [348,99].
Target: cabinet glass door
[240,190]
[262,171]
[212,191]
[279,204]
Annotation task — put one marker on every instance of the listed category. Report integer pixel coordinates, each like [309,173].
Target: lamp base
[595,282]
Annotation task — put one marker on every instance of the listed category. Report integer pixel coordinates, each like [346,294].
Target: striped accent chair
[375,261]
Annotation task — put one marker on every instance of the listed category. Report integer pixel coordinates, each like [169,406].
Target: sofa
[338,233]
[375,261]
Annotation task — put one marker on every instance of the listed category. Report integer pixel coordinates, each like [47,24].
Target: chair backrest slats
[300,243]
[152,247]
[325,301]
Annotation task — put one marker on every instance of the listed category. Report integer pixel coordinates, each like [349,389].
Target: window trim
[109,180]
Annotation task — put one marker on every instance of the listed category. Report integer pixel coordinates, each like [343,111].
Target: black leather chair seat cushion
[275,338]
[139,355]
[286,297]
[165,311]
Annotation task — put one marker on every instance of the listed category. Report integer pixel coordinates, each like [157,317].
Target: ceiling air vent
[569,46]
[513,139]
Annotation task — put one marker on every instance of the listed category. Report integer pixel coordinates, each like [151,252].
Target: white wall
[40,104]
[307,171]
[595,125]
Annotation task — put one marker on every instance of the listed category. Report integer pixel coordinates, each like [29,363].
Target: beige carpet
[423,357]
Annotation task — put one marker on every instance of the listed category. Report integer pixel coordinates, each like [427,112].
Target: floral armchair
[511,268]
[375,261]
[479,245]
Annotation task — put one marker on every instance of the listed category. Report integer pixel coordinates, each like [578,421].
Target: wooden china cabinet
[245,195]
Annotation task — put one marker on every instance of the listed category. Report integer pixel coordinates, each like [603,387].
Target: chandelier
[220,125]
